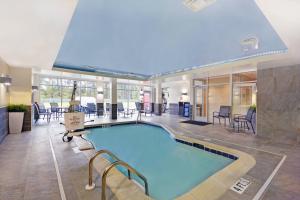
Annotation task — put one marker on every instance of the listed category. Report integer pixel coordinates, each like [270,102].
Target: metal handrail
[103,151]
[129,168]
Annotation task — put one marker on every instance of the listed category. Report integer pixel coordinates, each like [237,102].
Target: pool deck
[28,168]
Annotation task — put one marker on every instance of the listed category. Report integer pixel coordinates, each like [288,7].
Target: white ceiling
[32,30]
[284,15]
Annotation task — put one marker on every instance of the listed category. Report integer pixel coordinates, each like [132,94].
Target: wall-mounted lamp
[35,88]
[6,80]
[184,93]
[100,92]
[141,92]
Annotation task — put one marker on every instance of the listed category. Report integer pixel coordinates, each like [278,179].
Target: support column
[158,98]
[35,90]
[192,97]
[114,99]
[100,98]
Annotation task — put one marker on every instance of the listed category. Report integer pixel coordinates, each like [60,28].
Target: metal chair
[91,109]
[40,110]
[243,121]
[224,112]
[121,110]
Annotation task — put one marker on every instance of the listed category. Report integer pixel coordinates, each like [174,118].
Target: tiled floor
[27,167]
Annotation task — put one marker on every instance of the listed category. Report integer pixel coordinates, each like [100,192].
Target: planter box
[16,122]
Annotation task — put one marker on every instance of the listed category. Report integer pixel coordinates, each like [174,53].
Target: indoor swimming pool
[172,167]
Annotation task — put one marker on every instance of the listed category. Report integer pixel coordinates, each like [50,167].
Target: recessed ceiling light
[197,5]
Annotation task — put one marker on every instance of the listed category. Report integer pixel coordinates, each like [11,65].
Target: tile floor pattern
[27,168]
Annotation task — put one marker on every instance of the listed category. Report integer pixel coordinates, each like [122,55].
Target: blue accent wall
[3,123]
[156,37]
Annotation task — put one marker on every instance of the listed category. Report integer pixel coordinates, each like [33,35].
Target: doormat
[196,122]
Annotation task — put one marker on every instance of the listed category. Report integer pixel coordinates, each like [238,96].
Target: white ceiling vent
[197,5]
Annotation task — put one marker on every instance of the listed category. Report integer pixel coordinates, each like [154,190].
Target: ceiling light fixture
[249,44]
[197,5]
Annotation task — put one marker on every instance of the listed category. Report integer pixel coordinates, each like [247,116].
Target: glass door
[200,108]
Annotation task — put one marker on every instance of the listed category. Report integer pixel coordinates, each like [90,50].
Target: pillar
[35,91]
[100,98]
[114,99]
[158,98]
[192,98]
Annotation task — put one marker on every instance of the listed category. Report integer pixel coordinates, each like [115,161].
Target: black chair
[91,109]
[243,121]
[224,113]
[121,110]
[40,110]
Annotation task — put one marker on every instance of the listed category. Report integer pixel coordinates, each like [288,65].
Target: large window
[60,91]
[128,94]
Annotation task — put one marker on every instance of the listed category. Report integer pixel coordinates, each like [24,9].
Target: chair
[138,106]
[40,110]
[122,110]
[91,108]
[55,109]
[107,109]
[224,112]
[245,120]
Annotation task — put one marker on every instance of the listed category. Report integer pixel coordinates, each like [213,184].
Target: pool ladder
[117,162]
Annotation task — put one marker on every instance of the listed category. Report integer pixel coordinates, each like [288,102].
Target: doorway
[201,99]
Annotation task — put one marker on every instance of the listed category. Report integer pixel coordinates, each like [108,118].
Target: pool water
[171,168]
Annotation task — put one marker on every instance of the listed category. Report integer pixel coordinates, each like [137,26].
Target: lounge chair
[40,110]
[244,120]
[121,110]
[224,113]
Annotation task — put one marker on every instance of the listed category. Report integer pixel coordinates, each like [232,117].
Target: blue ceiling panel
[148,37]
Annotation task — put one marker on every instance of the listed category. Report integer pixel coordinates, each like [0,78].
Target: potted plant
[16,116]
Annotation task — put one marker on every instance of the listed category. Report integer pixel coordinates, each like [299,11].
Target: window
[60,91]
[128,94]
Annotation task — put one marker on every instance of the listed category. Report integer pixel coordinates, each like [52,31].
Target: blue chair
[40,110]
[121,110]
[91,109]
[243,121]
[224,113]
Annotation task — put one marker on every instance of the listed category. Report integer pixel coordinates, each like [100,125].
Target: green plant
[253,106]
[16,108]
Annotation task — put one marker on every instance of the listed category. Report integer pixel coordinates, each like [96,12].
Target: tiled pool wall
[196,145]
[202,147]
[3,123]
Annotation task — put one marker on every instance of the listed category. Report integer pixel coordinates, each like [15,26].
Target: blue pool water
[171,168]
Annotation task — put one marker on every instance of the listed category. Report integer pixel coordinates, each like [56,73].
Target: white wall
[21,89]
